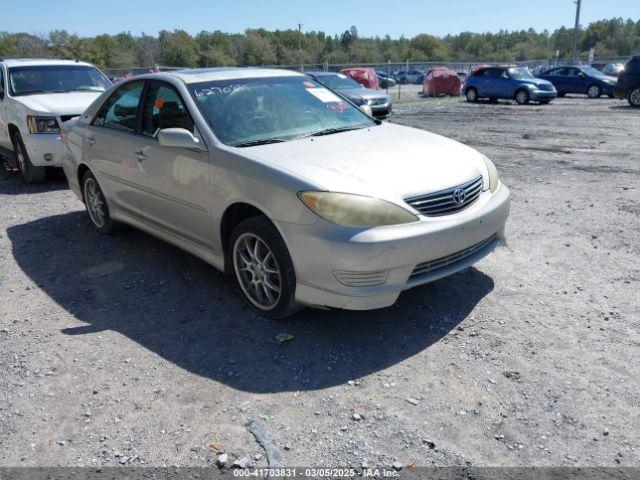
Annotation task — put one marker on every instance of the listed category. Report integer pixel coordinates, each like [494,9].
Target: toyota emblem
[458,196]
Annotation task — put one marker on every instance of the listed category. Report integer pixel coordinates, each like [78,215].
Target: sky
[372,17]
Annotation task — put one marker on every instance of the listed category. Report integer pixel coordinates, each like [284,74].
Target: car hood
[384,161]
[536,81]
[72,103]
[362,93]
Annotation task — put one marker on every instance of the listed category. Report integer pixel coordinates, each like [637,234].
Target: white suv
[36,96]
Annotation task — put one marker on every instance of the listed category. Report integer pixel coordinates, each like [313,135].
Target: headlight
[355,210]
[43,125]
[494,178]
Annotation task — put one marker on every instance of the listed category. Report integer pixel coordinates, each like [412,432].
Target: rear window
[633,66]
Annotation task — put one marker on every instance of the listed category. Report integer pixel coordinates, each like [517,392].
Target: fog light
[361,279]
[48,157]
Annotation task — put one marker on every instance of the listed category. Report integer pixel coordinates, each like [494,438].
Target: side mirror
[581,75]
[367,109]
[179,138]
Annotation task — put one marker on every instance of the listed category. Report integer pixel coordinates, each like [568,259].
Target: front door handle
[140,155]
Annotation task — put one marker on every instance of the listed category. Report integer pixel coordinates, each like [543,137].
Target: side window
[1,84]
[493,73]
[163,108]
[120,110]
[556,71]
[572,72]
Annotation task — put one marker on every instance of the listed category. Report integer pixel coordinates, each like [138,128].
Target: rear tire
[594,91]
[634,97]
[522,97]
[264,274]
[29,172]
[96,205]
[472,95]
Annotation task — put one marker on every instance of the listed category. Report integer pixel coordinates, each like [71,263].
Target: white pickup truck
[36,96]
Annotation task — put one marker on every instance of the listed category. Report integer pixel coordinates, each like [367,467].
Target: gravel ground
[123,350]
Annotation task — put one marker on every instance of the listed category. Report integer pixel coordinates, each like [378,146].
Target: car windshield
[56,79]
[520,73]
[592,72]
[338,81]
[244,112]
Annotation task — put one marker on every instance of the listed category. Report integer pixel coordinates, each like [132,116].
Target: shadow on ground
[11,183]
[182,309]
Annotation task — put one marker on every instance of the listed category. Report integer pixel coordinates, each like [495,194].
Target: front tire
[522,97]
[634,97]
[262,268]
[472,95]
[96,204]
[594,91]
[29,172]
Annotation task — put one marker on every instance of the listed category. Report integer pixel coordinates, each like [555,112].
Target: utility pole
[574,50]
[300,45]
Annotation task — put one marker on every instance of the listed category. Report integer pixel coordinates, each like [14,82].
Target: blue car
[584,80]
[509,83]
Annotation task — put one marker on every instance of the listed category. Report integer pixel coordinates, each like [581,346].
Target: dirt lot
[125,350]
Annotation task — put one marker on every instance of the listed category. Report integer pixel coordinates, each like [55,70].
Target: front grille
[431,265]
[447,201]
[546,87]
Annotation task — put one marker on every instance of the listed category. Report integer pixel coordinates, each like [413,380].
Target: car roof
[197,75]
[33,62]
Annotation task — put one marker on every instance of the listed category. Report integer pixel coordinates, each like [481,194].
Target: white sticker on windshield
[324,95]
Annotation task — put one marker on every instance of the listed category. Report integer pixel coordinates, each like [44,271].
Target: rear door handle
[140,155]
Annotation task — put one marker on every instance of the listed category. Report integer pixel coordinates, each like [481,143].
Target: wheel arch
[82,169]
[13,129]
[233,215]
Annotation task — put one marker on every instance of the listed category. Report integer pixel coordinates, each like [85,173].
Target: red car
[441,81]
[365,76]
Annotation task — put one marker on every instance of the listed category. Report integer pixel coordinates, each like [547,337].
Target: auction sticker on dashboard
[324,95]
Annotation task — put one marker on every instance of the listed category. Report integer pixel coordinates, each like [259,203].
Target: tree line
[611,38]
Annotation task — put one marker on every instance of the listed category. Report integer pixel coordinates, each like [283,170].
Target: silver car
[302,197]
[379,102]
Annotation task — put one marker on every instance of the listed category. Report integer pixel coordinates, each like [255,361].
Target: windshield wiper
[331,131]
[34,92]
[264,141]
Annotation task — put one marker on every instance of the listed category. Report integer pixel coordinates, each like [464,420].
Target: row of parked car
[520,84]
[37,96]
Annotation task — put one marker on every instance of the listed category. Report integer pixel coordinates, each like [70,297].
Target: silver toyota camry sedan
[302,197]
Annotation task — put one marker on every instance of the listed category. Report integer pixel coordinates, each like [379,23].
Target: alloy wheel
[472,95]
[594,91]
[257,271]
[95,202]
[20,157]
[634,97]
[522,97]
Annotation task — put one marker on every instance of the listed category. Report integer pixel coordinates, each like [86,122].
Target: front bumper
[44,149]
[322,253]
[537,95]
[381,111]
[620,92]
